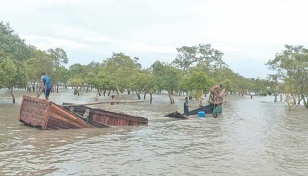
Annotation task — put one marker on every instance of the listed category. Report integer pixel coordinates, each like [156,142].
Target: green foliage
[99,80]
[186,57]
[8,71]
[120,69]
[194,70]
[76,82]
[292,64]
[58,56]
[12,44]
[62,74]
[202,54]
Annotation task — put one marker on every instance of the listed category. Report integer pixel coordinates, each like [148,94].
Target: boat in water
[212,108]
[47,115]
[176,114]
[105,117]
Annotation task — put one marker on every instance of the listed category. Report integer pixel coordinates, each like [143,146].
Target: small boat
[211,108]
[47,115]
[208,109]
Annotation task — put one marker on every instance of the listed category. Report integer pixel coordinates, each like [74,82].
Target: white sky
[248,32]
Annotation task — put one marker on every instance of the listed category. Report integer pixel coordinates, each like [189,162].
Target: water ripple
[254,137]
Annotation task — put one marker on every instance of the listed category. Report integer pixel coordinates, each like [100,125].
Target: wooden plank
[101,102]
[67,117]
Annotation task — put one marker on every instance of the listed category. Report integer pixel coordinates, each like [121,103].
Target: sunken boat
[176,114]
[47,115]
[105,117]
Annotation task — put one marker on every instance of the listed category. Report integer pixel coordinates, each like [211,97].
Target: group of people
[215,98]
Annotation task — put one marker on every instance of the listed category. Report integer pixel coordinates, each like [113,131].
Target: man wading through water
[186,110]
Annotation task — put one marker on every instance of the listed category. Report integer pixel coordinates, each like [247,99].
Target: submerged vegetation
[193,71]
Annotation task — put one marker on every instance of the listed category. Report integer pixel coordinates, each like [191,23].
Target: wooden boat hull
[208,109]
[109,118]
[47,115]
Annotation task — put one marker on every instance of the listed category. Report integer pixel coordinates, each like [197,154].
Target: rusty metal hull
[46,115]
[109,118]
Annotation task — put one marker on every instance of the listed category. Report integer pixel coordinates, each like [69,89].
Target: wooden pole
[101,102]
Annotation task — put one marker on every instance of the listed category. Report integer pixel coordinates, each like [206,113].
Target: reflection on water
[254,137]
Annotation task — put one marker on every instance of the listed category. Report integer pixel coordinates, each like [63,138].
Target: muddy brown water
[254,137]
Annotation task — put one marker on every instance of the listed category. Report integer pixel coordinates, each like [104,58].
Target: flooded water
[254,137]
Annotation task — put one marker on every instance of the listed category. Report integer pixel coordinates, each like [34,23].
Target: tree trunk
[145,94]
[275,95]
[151,98]
[11,92]
[299,99]
[118,90]
[138,95]
[294,100]
[99,92]
[170,98]
[76,91]
[305,102]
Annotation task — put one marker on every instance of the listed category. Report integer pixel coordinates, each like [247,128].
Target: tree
[11,43]
[198,83]
[186,57]
[63,76]
[8,70]
[210,57]
[292,63]
[203,54]
[13,53]
[76,71]
[170,80]
[151,83]
[38,62]
[120,69]
[58,57]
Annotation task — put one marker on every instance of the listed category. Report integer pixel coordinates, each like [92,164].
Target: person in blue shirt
[46,85]
[186,110]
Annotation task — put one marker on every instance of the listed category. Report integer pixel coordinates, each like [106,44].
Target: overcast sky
[248,32]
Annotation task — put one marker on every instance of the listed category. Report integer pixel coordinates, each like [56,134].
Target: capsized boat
[47,115]
[106,117]
[176,114]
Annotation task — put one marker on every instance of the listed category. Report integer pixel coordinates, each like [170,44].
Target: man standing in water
[46,84]
[112,98]
[186,110]
[215,93]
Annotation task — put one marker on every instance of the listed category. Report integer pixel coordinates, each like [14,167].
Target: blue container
[201,114]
